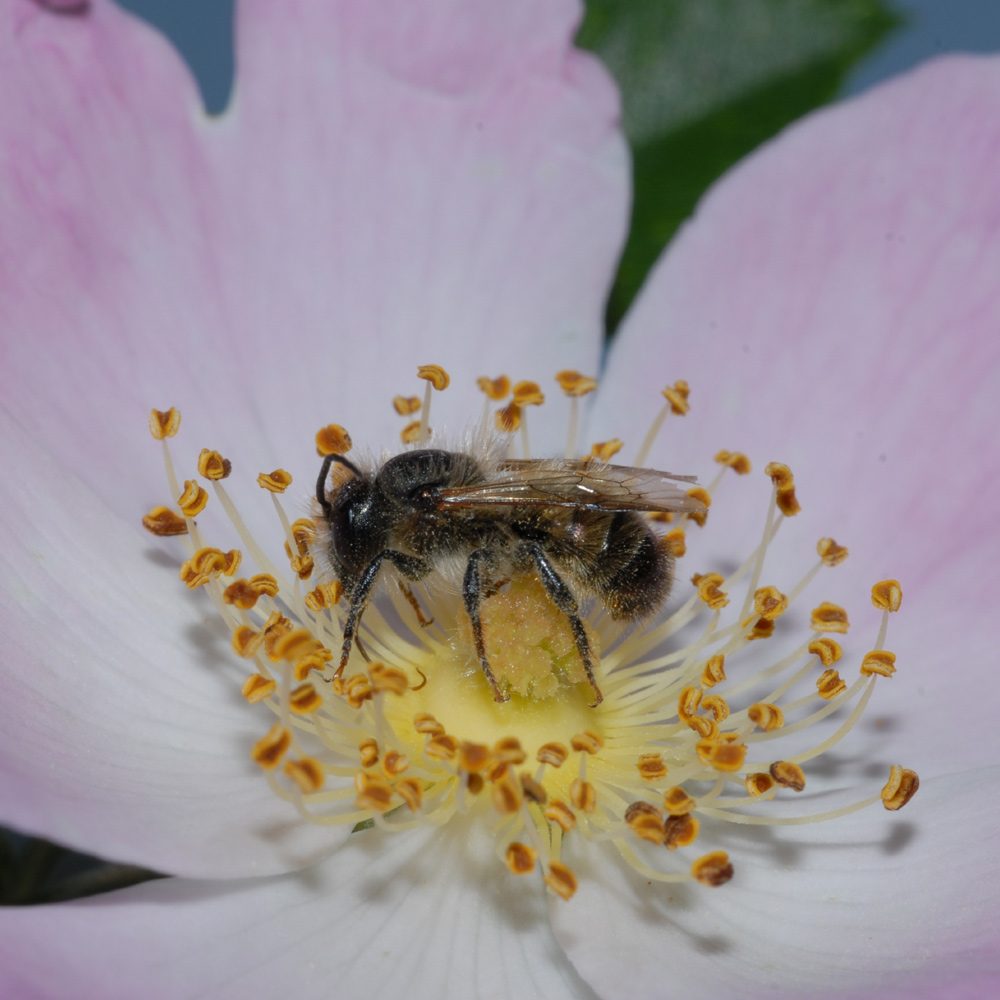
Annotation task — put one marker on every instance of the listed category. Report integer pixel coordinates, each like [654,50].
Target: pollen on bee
[405,728]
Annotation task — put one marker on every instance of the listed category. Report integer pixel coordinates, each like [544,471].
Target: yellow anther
[830,552]
[521,858]
[661,516]
[436,375]
[507,792]
[528,394]
[495,388]
[533,791]
[257,687]
[246,641]
[675,542]
[561,880]
[241,593]
[192,501]
[553,754]
[829,618]
[646,821]
[583,795]
[427,724]
[677,802]
[721,755]
[212,465]
[305,699]
[759,782]
[879,661]
[736,461]
[828,650]
[326,595]
[164,423]
[788,774]
[332,440]
[762,628]
[390,679]
[233,559]
[830,684]
[688,702]
[887,595]
[394,763]
[277,481]
[702,496]
[357,690]
[303,533]
[677,396]
[203,566]
[474,757]
[374,792]
[411,432]
[411,790]
[269,750]
[766,716]
[709,591]
[292,645]
[264,584]
[787,502]
[707,728]
[780,475]
[307,773]
[164,522]
[680,831]
[442,747]
[713,869]
[509,751]
[368,750]
[717,706]
[715,670]
[275,627]
[508,419]
[310,662]
[769,603]
[574,384]
[406,405]
[900,788]
[560,814]
[587,741]
[651,767]
[604,451]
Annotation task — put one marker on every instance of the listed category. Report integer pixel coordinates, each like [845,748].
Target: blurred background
[703,83]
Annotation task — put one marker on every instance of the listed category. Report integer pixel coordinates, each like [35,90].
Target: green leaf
[703,83]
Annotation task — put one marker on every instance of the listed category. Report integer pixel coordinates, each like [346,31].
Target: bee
[577,525]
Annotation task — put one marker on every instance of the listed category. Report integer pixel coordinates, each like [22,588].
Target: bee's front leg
[472,594]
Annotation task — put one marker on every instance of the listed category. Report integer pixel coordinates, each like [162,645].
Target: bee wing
[570,483]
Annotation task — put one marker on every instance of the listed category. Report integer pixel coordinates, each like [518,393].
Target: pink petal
[854,907]
[260,271]
[398,915]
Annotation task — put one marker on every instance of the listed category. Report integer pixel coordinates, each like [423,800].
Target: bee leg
[472,595]
[412,599]
[410,566]
[564,600]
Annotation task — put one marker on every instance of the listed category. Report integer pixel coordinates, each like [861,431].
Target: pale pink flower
[406,182]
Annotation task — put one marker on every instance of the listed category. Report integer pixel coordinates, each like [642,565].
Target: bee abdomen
[639,583]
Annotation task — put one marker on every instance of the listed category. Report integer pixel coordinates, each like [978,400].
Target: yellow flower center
[411,731]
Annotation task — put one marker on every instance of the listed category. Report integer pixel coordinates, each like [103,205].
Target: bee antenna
[324,472]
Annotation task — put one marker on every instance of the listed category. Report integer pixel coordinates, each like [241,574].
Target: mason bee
[576,524]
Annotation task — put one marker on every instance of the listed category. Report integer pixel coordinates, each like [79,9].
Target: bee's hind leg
[564,600]
[472,595]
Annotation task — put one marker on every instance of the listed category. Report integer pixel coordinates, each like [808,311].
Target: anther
[390,679]
[521,858]
[305,699]
[528,394]
[213,466]
[645,821]
[368,750]
[769,603]
[788,774]
[326,595]
[680,831]
[721,755]
[436,375]
[507,792]
[677,396]
[474,757]
[307,773]
[332,440]
[405,406]
[604,451]
[766,716]
[410,434]
[651,767]
[688,702]
[900,788]
[192,501]
[829,618]
[736,461]
[784,484]
[164,522]
[715,670]
[257,687]
[496,389]
[828,650]
[533,791]
[887,595]
[427,724]
[717,705]
[553,754]
[246,641]
[241,593]
[269,750]
[561,880]
[587,741]
[707,728]
[879,661]
[574,384]
[675,542]
[394,763]
[560,814]
[713,869]
[508,419]
[830,684]
[583,795]
[762,628]
[509,750]
[164,423]
[702,496]
[442,747]
[759,783]
[677,802]
[709,589]
[830,552]
[277,481]
[374,792]
[412,793]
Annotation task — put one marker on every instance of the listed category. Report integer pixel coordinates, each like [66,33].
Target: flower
[259,273]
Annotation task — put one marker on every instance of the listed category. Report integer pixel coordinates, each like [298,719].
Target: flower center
[633,738]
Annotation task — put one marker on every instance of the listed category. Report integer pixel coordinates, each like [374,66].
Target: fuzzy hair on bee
[576,524]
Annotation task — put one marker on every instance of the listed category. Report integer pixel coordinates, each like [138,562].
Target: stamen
[677,402]
[439,379]
[526,394]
